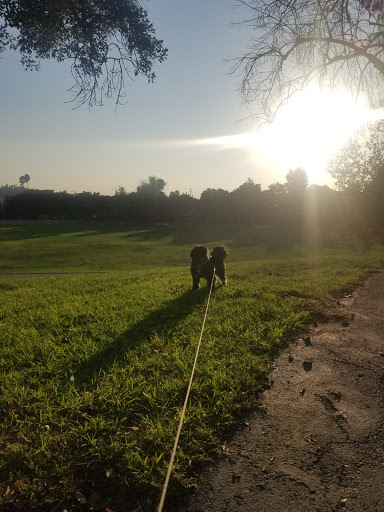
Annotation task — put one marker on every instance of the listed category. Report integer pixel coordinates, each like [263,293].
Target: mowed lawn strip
[94,370]
[87,247]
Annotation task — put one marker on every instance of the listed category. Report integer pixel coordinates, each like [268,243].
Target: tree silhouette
[293,205]
[105,41]
[358,163]
[246,201]
[24,179]
[248,189]
[153,187]
[332,42]
[214,204]
[276,190]
[120,191]
[297,181]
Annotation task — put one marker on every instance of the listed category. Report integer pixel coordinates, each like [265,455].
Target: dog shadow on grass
[159,322]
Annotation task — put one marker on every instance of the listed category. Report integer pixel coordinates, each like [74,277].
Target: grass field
[94,368]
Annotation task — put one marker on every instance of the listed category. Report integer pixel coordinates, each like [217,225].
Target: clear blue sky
[194,97]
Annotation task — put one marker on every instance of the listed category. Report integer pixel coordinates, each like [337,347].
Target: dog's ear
[193,252]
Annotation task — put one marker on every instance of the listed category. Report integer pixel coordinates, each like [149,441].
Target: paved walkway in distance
[48,274]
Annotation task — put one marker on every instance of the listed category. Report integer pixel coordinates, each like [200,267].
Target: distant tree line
[354,213]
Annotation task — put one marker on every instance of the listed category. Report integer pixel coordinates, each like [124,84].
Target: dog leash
[170,466]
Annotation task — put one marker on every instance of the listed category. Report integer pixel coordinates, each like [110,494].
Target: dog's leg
[196,283]
[221,273]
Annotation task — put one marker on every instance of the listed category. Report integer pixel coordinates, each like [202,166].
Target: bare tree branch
[296,42]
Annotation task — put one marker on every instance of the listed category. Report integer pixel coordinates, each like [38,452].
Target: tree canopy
[152,187]
[332,42]
[24,179]
[297,181]
[359,163]
[106,41]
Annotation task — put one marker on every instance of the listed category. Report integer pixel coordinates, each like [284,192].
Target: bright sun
[306,132]
[309,129]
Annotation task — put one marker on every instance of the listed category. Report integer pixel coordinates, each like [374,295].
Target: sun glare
[306,132]
[310,128]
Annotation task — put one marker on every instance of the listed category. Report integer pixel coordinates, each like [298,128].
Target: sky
[180,128]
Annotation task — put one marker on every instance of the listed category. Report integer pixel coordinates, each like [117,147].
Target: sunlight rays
[308,130]
[305,133]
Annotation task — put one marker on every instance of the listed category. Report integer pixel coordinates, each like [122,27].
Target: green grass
[94,368]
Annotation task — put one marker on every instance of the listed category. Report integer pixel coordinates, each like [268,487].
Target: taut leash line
[170,466]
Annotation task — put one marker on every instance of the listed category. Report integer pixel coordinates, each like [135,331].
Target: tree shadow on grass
[161,321]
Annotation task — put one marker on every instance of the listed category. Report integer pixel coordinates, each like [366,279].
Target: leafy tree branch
[105,41]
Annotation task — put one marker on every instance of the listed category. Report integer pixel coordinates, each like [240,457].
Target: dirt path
[319,445]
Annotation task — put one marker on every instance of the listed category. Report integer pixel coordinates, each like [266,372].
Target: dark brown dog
[208,265]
